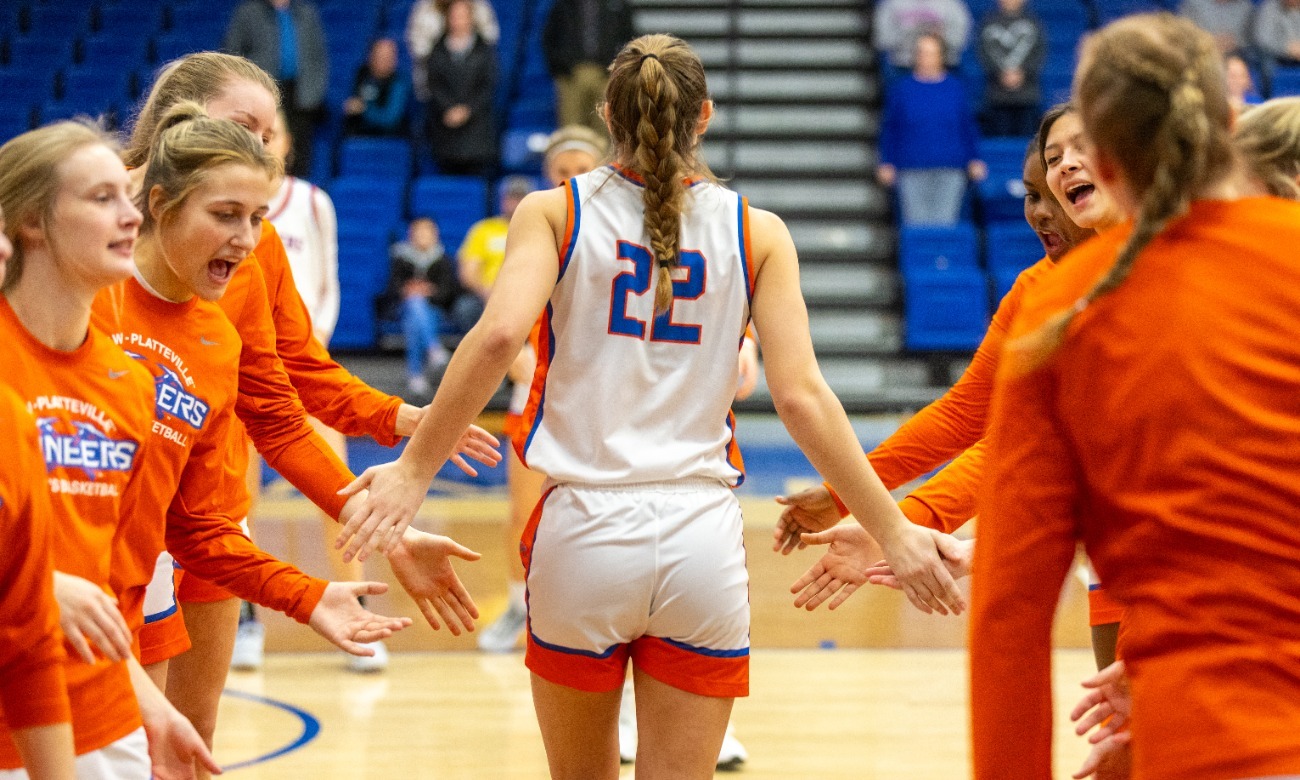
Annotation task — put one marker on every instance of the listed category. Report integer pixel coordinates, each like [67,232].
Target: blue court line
[310,728]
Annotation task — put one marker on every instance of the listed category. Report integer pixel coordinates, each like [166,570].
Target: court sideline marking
[310,728]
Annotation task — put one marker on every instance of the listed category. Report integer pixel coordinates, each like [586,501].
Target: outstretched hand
[841,571]
[1108,705]
[916,558]
[958,556]
[382,503]
[479,445]
[806,512]
[341,619]
[422,565]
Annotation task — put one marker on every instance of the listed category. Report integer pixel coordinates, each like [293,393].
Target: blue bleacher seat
[1012,245]
[61,18]
[93,90]
[1286,81]
[367,206]
[114,52]
[454,202]
[198,22]
[521,151]
[928,248]
[171,45]
[945,309]
[126,19]
[1002,279]
[24,86]
[386,157]
[14,122]
[44,52]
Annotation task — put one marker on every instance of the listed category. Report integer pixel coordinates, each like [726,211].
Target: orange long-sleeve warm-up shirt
[1164,435]
[269,406]
[192,351]
[953,423]
[329,392]
[93,407]
[33,689]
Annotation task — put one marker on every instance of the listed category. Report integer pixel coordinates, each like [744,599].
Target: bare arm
[817,422]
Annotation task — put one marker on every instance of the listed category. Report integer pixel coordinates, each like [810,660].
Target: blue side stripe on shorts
[572,651]
[1094,586]
[166,613]
[741,653]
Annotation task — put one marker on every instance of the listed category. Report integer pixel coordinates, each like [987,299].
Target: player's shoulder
[1059,286]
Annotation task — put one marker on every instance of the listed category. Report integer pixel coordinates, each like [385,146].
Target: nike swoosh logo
[205,341]
[117,374]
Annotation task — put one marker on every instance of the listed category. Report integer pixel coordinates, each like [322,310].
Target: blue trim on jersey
[727,450]
[166,613]
[1094,586]
[572,238]
[572,651]
[741,653]
[549,333]
[744,258]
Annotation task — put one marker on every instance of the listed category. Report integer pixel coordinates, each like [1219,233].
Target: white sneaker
[504,633]
[369,664]
[627,726]
[419,385]
[250,642]
[733,754]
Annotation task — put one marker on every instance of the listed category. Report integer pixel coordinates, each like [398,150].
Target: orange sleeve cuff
[840,506]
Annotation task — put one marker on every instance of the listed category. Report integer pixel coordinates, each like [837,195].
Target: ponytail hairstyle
[655,95]
[1268,138]
[1151,94]
[199,77]
[29,180]
[189,145]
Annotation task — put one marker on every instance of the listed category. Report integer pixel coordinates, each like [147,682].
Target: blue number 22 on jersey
[638,282]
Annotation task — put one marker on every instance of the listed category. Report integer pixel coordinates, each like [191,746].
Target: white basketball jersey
[304,217]
[621,395]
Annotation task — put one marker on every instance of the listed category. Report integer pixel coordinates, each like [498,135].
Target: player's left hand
[807,511]
[422,564]
[841,571]
[479,445]
[341,619]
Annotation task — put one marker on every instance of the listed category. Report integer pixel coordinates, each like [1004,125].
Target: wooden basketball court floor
[872,690]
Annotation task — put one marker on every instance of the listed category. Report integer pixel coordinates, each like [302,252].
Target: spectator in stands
[285,38]
[927,139]
[898,23]
[484,249]
[1277,32]
[422,289]
[1227,20]
[1241,85]
[580,39]
[426,24]
[1012,47]
[462,73]
[380,94]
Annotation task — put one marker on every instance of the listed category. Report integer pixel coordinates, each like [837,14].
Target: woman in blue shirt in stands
[927,139]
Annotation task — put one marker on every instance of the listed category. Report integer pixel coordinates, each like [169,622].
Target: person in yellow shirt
[483,250]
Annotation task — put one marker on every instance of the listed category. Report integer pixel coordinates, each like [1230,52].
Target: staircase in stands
[797,96]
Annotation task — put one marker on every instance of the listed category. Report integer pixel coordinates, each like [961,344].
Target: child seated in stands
[422,288]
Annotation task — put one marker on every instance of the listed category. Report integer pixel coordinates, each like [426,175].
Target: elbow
[794,403]
[498,341]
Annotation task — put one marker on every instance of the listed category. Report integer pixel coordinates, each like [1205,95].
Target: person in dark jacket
[1012,47]
[927,140]
[380,94]
[285,38]
[422,288]
[462,83]
[580,39]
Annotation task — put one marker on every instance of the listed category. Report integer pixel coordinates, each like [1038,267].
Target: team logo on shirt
[85,447]
[171,397]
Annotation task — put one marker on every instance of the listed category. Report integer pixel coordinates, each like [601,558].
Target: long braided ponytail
[655,95]
[1152,97]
